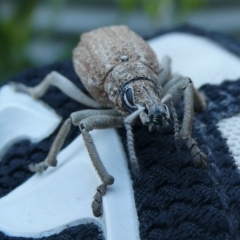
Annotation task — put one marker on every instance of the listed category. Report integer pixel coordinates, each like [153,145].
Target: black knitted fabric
[174,199]
[81,232]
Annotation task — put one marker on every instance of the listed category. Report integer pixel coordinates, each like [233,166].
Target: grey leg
[102,122]
[75,118]
[176,126]
[51,159]
[86,125]
[165,75]
[171,83]
[61,82]
[78,116]
[198,156]
[87,121]
[167,80]
[199,99]
[184,87]
[97,200]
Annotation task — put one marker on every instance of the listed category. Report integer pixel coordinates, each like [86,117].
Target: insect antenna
[130,140]
[131,150]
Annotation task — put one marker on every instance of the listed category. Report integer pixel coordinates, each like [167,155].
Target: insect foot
[38,167]
[199,157]
[97,200]
[19,87]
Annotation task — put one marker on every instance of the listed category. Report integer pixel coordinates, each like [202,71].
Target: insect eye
[129,96]
[128,99]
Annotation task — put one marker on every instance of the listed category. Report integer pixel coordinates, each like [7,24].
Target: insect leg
[199,99]
[78,116]
[86,125]
[171,83]
[165,75]
[51,159]
[75,118]
[184,87]
[198,156]
[87,121]
[61,82]
[175,125]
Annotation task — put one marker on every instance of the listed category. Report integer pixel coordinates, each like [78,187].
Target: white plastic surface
[58,198]
[20,117]
[198,58]
[61,197]
[230,128]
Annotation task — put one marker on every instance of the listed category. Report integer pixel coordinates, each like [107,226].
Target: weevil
[125,81]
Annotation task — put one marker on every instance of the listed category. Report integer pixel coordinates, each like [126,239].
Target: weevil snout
[143,93]
[158,118]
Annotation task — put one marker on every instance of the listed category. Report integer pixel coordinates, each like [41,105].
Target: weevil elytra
[125,80]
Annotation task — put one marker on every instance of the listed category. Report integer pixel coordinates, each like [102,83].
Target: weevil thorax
[100,55]
[119,70]
[132,84]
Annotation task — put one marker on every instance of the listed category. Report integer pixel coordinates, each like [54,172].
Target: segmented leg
[51,159]
[75,118]
[198,156]
[184,87]
[61,82]
[199,99]
[97,200]
[168,80]
[78,116]
[165,75]
[87,120]
[86,125]
[171,83]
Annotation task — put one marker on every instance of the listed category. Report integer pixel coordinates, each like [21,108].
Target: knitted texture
[81,232]
[174,199]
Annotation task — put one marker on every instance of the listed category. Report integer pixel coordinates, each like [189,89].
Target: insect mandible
[126,81]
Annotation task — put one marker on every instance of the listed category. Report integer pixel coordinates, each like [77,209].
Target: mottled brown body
[97,61]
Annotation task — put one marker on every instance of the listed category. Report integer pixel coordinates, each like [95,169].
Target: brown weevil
[125,80]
